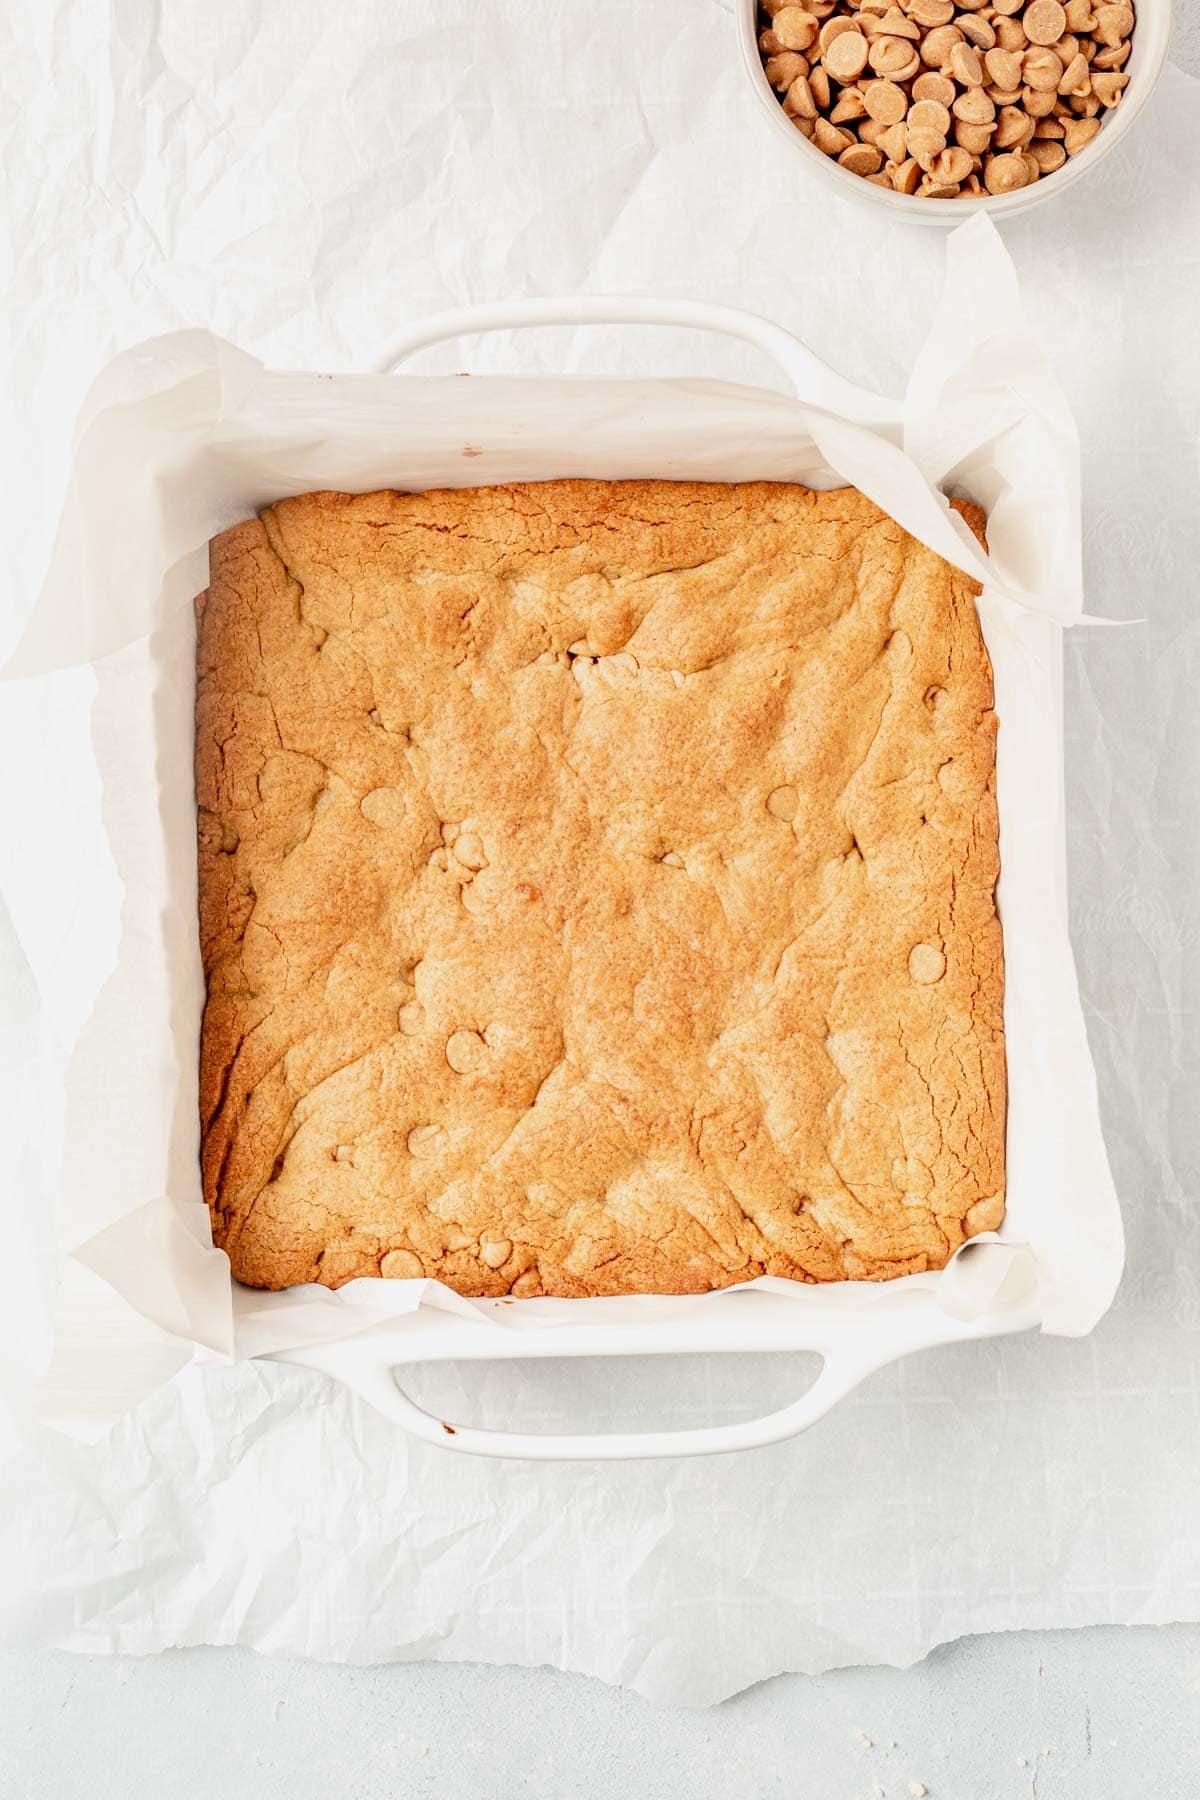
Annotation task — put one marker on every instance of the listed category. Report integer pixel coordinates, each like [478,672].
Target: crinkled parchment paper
[298,184]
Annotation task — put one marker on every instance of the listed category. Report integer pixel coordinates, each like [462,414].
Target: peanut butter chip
[937,47]
[833,28]
[621,667]
[495,1252]
[926,146]
[1004,174]
[830,138]
[974,139]
[885,102]
[384,807]
[781,71]
[401,1265]
[926,963]
[894,143]
[928,115]
[1078,134]
[850,105]
[894,24]
[469,851]
[1009,35]
[893,58]
[1004,69]
[1047,155]
[799,100]
[1113,23]
[932,86]
[794,28]
[977,31]
[846,57]
[952,166]
[1042,70]
[783,802]
[862,159]
[1013,127]
[966,66]
[974,108]
[1109,86]
[1075,78]
[464,1051]
[423,1140]
[1044,22]
[1038,104]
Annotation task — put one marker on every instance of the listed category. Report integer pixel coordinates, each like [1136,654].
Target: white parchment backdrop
[300,179]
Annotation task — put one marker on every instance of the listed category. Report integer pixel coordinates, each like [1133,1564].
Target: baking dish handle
[811,380]
[365,1366]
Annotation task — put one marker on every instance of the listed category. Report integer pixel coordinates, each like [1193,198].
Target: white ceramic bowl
[1151,35]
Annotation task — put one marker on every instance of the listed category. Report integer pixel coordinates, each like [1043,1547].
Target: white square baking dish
[219,436]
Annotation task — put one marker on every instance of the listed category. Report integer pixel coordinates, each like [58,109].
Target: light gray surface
[1094,1715]
[1185,38]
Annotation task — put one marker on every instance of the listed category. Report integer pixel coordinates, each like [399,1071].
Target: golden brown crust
[596,891]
